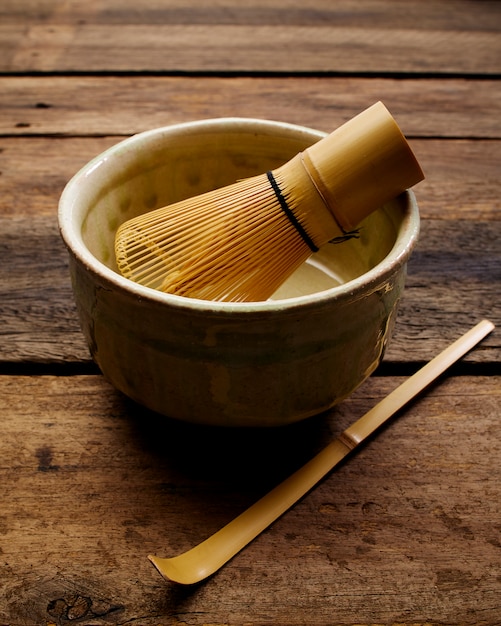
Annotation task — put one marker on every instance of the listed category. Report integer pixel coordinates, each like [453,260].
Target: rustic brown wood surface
[291,36]
[122,105]
[408,530]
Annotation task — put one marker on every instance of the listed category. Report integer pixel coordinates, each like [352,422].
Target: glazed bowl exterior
[236,364]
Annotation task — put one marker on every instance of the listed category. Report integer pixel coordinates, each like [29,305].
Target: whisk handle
[361,165]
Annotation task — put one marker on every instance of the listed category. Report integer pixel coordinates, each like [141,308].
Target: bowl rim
[398,255]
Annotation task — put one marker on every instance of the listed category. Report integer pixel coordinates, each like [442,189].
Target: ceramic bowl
[247,364]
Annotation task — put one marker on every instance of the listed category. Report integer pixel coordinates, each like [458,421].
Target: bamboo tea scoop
[207,557]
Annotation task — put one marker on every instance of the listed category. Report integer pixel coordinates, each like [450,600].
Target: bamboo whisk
[241,242]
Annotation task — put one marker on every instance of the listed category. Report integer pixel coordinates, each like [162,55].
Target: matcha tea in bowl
[257,363]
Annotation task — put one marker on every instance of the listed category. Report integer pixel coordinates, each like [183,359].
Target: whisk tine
[197,252]
[165,227]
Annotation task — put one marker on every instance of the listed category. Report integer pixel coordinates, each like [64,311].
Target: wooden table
[407,531]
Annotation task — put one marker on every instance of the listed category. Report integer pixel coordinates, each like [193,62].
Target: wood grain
[345,37]
[249,48]
[451,15]
[461,175]
[90,484]
[123,105]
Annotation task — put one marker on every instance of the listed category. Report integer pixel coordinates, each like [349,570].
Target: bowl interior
[160,167]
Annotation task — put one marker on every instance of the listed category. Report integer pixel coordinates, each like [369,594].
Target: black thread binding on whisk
[285,207]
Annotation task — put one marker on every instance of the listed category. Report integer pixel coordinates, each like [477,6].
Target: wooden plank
[461,176]
[56,105]
[249,48]
[39,322]
[367,37]
[406,531]
[449,15]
